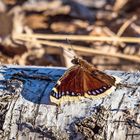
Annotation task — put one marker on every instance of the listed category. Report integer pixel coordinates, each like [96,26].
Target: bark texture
[26,112]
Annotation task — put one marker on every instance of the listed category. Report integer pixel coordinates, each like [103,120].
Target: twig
[123,28]
[83,49]
[111,33]
[125,25]
[79,38]
[119,4]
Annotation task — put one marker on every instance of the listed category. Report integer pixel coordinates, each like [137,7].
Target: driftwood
[26,112]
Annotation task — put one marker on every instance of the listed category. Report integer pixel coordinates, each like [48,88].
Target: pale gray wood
[27,114]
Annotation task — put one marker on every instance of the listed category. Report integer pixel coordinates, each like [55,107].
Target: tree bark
[26,112]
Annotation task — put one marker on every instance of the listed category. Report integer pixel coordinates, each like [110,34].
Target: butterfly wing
[79,82]
[98,84]
[69,82]
[110,80]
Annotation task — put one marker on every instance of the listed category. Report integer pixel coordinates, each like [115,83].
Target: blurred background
[27,28]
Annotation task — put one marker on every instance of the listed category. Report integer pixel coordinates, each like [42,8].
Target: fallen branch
[27,112]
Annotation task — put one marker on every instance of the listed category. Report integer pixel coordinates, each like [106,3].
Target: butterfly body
[82,80]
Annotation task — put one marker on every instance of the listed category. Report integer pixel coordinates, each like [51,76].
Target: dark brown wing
[110,80]
[78,81]
[69,82]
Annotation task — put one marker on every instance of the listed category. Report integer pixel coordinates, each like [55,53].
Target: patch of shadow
[3,111]
[33,84]
[43,132]
[92,127]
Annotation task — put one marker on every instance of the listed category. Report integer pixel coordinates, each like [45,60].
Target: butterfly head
[75,61]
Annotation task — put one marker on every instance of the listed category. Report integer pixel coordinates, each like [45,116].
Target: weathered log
[26,112]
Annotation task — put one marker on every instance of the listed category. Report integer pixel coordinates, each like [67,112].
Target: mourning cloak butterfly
[82,80]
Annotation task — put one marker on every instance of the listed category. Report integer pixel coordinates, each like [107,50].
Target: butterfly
[82,80]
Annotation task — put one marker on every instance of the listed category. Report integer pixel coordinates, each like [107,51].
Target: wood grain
[28,113]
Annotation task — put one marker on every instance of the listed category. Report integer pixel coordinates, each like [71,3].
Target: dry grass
[36,37]
[79,37]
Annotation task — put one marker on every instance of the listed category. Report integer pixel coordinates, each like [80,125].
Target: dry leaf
[36,21]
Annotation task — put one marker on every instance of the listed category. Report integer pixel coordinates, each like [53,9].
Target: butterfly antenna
[75,56]
[67,51]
